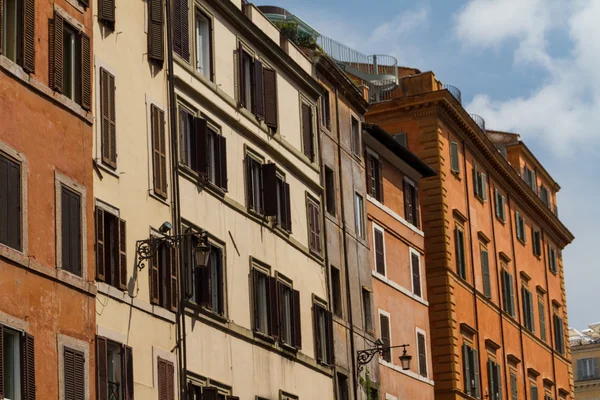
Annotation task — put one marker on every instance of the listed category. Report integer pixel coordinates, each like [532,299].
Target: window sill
[480,199]
[105,168]
[456,174]
[521,241]
[502,221]
[288,348]
[264,337]
[200,181]
[409,373]
[158,198]
[207,312]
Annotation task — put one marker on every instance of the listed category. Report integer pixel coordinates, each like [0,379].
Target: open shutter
[287,211]
[106,12]
[86,72]
[499,382]
[28,14]
[173,281]
[122,259]
[159,164]
[380,179]
[201,130]
[511,296]
[384,323]
[241,78]
[422,355]
[100,262]
[329,336]
[1,327]
[222,162]
[379,256]
[127,372]
[102,367]
[28,367]
[454,157]
[369,173]
[269,178]
[468,384]
[259,94]
[297,327]
[317,332]
[476,373]
[416,273]
[56,53]
[273,308]
[525,305]
[270,96]
[69,375]
[108,120]
[155,31]
[181,41]
[491,380]
[483,187]
[210,393]
[307,135]
[112,120]
[154,279]
[408,211]
[204,286]
[476,186]
[250,183]
[79,376]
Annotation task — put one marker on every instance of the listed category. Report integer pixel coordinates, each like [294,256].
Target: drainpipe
[176,206]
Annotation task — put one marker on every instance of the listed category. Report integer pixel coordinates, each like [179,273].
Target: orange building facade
[397,265]
[493,242]
[47,296]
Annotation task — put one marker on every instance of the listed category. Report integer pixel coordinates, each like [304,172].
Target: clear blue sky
[527,66]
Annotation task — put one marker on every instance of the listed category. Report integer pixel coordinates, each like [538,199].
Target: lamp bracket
[146,249]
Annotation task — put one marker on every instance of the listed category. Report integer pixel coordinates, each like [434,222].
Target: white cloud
[400,25]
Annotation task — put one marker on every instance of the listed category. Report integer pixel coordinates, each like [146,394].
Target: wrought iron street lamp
[365,356]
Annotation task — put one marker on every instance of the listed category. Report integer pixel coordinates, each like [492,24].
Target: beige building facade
[585,353]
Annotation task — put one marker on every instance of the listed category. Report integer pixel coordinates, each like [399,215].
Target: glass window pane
[12,365]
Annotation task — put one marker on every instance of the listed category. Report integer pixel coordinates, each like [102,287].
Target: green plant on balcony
[290,31]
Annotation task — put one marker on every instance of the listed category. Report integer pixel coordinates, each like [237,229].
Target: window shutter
[181,41]
[408,212]
[297,329]
[100,263]
[499,382]
[155,31]
[269,178]
[10,200]
[241,78]
[259,95]
[71,231]
[249,186]
[102,367]
[79,376]
[454,157]
[369,172]
[380,180]
[511,291]
[255,275]
[288,209]
[487,290]
[580,369]
[210,393]
[173,281]
[28,367]
[28,35]
[483,186]
[307,136]
[513,387]
[106,12]
[416,273]
[86,72]
[534,393]
[384,322]
[273,308]
[162,379]
[468,384]
[531,312]
[1,327]
[459,249]
[525,305]
[417,219]
[316,333]
[154,279]
[222,161]
[329,336]
[159,164]
[476,186]
[596,367]
[476,373]
[56,53]
[422,355]
[69,374]
[491,380]
[122,256]
[542,312]
[379,255]
[127,372]
[270,95]
[112,120]
[201,152]
[108,120]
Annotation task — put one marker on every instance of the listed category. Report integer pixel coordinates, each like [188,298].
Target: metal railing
[454,91]
[479,121]
[113,390]
[381,90]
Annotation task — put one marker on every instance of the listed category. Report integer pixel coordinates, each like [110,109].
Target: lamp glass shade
[405,361]
[201,255]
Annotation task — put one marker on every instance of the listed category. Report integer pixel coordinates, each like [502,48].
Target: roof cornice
[336,76]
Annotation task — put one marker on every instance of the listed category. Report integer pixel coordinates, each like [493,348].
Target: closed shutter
[380,180]
[28,368]
[170,381]
[69,374]
[498,382]
[79,376]
[181,41]
[487,290]
[525,306]
[513,387]
[159,154]
[28,35]
[483,180]
[475,356]
[596,366]
[173,281]
[384,323]
[467,382]
[106,12]
[531,312]
[534,392]
[273,308]
[459,249]
[580,367]
[222,162]
[269,178]
[10,203]
[108,122]
[86,72]
[102,367]
[71,231]
[241,77]
[422,354]
[100,262]
[56,53]
[155,31]
[162,375]
[491,380]
[155,278]
[511,291]
[454,157]
[329,336]
[259,94]
[297,321]
[270,95]
[122,258]
[307,135]
[416,273]
[287,225]
[127,373]
[541,310]
[379,254]
[210,393]
[200,152]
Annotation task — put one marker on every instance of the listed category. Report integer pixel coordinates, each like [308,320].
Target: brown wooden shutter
[56,53]
[369,173]
[71,231]
[155,31]
[127,372]
[106,12]
[1,327]
[380,179]
[162,373]
[155,278]
[102,367]
[86,72]
[173,279]
[69,374]
[297,327]
[170,381]
[28,367]
[10,200]
[100,262]
[307,136]
[241,80]
[181,41]
[210,393]
[329,336]
[416,273]
[28,35]
[255,275]
[259,95]
[122,256]
[222,162]
[384,322]
[269,177]
[108,122]
[379,256]
[79,376]
[270,96]
[201,136]
[287,210]
[316,309]
[249,185]
[159,164]
[273,308]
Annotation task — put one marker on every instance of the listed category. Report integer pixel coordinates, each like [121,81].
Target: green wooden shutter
[475,356]
[487,289]
[454,164]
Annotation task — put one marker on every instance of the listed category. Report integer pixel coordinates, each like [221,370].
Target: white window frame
[197,9]
[412,285]
[98,64]
[21,158]
[63,341]
[149,103]
[380,229]
[381,312]
[422,332]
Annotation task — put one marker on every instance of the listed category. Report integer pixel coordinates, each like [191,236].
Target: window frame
[552,259]
[260,161]
[325,110]
[330,191]
[413,252]
[264,270]
[80,346]
[337,296]
[385,353]
[312,157]
[283,281]
[198,9]
[149,103]
[451,146]
[411,201]
[528,308]
[374,173]
[377,228]
[521,231]
[367,309]
[510,293]
[419,331]
[313,203]
[327,348]
[116,214]
[487,287]
[500,206]
[356,137]
[479,184]
[468,348]
[19,158]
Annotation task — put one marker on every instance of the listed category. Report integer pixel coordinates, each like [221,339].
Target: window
[588,368]
[288,303]
[533,390]
[374,177]
[114,363]
[246,77]
[208,389]
[536,239]
[71,64]
[500,206]
[355,126]
[108,125]
[336,291]
[314,226]
[415,267]
[552,259]
[359,215]
[401,138]
[471,371]
[71,237]
[545,195]
[203,44]
[330,191]
[520,227]
[559,333]
[485,271]
[106,13]
[284,212]
[111,249]
[276,196]
[323,334]
[494,380]
[508,296]
[163,278]
[166,379]
[209,283]
[159,151]
[411,203]
[10,203]
[385,331]
[548,395]
[514,387]
[17,32]
[155,32]
[325,111]
[379,248]
[342,385]
[18,361]
[542,312]
[459,247]
[254,184]
[262,302]
[367,310]
[529,178]
[422,351]
[528,314]
[479,184]
[454,163]
[74,374]
[308,139]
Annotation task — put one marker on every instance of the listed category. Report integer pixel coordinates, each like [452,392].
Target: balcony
[113,391]
[479,121]
[454,91]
